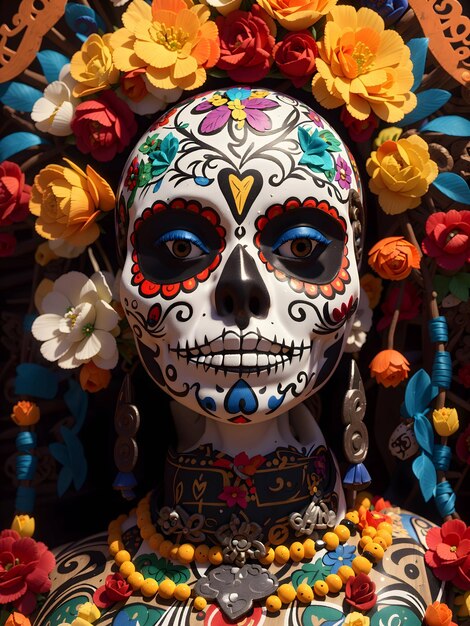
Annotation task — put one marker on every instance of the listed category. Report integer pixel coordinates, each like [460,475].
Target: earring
[355,437]
[126,423]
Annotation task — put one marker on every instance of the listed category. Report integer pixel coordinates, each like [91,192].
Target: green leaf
[460,286]
[310,573]
[441,285]
[322,615]
[159,568]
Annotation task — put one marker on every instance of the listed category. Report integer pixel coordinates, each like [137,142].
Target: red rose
[14,194]
[115,589]
[464,375]
[295,56]
[409,308]
[104,126]
[7,244]
[246,44]
[448,238]
[25,566]
[359,130]
[360,592]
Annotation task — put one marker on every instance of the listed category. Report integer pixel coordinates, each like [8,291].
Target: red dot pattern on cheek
[149,289]
[339,282]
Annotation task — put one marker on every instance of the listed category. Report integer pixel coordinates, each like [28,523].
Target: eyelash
[301,232]
[184,235]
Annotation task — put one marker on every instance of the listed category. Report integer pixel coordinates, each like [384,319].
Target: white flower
[119,3]
[54,111]
[223,6]
[361,325]
[64,249]
[78,324]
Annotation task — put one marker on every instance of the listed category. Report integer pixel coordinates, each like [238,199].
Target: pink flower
[246,44]
[448,238]
[115,589]
[462,447]
[343,173]
[7,244]
[104,126]
[233,496]
[359,130]
[464,375]
[14,194]
[25,566]
[449,552]
[409,308]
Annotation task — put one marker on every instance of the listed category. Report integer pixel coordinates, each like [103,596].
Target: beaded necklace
[373,543]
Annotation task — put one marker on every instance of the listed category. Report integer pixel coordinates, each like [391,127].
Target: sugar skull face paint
[240,280]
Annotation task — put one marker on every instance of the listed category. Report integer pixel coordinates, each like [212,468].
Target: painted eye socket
[182,244]
[299,243]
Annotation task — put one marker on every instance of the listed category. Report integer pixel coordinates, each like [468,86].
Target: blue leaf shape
[51,62]
[19,96]
[419,393]
[203,181]
[83,20]
[453,186]
[36,380]
[77,462]
[429,102]
[425,472]
[16,142]
[59,452]
[419,50]
[452,125]
[77,402]
[424,433]
[157,186]
[64,481]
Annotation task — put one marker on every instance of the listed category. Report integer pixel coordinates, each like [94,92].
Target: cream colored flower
[361,325]
[54,111]
[223,6]
[78,324]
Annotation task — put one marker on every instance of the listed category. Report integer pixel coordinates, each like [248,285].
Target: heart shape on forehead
[240,190]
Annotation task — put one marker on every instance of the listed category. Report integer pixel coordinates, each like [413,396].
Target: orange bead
[296,551]
[216,556]
[121,556]
[182,592]
[352,516]
[135,580]
[369,531]
[149,587]
[374,551]
[334,582]
[363,541]
[361,565]
[165,548]
[342,532]
[115,547]
[156,541]
[268,558]
[309,548]
[147,531]
[386,536]
[273,604]
[201,554]
[287,593]
[114,527]
[345,572]
[174,552]
[281,555]
[385,526]
[186,553]
[114,537]
[166,589]
[331,540]
[127,568]
[199,603]
[304,593]
[381,541]
[320,588]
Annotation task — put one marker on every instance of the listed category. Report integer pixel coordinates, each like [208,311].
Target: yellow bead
[156,541]
[121,556]
[273,604]
[309,548]
[166,589]
[114,527]
[268,559]
[216,556]
[182,592]
[386,536]
[342,532]
[127,568]
[320,588]
[114,537]
[121,519]
[381,541]
[385,526]
[375,551]
[334,582]
[186,553]
[296,551]
[331,540]
[115,547]
[165,548]
[352,516]
[201,554]
[147,531]
[361,565]
[149,587]
[304,593]
[174,552]
[199,603]
[281,555]
[345,572]
[363,541]
[135,580]
[286,593]
[369,531]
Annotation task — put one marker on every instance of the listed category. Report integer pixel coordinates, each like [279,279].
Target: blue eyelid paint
[301,232]
[185,235]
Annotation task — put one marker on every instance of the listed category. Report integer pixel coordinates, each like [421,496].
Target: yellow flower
[372,285]
[88,613]
[363,66]
[24,525]
[25,413]
[463,602]
[401,172]
[297,14]
[92,66]
[67,202]
[356,619]
[173,40]
[446,421]
[392,133]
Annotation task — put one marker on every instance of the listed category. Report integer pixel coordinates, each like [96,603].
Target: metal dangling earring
[355,437]
[126,423]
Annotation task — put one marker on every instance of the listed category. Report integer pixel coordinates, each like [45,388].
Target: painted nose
[241,293]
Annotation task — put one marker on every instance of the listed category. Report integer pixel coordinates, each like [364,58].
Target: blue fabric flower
[343,555]
[316,152]
[390,10]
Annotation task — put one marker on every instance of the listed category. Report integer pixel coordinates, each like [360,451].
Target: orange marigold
[438,614]
[173,40]
[389,368]
[25,413]
[393,258]
[363,66]
[94,378]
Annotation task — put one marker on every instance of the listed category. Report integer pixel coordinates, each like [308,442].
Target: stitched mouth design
[249,353]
